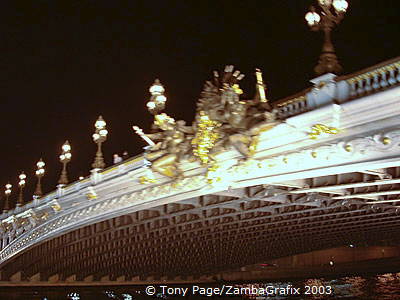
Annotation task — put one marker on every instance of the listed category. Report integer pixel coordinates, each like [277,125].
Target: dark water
[386,286]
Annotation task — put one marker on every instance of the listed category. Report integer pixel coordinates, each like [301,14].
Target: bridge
[322,170]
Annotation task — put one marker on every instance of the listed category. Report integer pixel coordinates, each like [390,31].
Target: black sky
[62,63]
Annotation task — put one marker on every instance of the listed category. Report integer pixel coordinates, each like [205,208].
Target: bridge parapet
[41,210]
[329,89]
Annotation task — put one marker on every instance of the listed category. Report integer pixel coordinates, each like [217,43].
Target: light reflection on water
[386,286]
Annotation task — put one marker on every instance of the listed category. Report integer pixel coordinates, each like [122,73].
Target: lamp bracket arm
[326,12]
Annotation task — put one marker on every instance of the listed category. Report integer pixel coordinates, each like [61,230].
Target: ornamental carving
[222,121]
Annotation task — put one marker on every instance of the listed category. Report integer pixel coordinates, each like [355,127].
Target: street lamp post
[21,184]
[7,192]
[157,100]
[39,174]
[65,158]
[99,137]
[155,105]
[332,12]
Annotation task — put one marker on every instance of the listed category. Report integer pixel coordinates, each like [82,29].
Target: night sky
[63,63]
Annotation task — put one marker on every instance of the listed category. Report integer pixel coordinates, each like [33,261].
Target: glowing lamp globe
[312,18]
[96,136]
[157,88]
[340,5]
[103,132]
[100,123]
[66,147]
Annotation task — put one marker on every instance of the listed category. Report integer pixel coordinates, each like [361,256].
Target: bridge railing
[45,206]
[293,105]
[374,79]
[330,89]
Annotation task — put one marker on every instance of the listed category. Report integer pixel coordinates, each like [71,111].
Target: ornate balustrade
[374,79]
[296,104]
[41,210]
[331,89]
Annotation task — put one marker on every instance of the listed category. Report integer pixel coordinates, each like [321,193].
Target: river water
[385,286]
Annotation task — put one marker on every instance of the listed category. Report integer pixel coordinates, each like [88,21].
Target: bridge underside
[224,231]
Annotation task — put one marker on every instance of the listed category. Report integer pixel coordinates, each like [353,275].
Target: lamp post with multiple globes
[157,100]
[65,158]
[331,13]
[7,192]
[39,174]
[21,184]
[99,137]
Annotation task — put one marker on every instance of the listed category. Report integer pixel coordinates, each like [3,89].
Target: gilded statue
[172,145]
[241,122]
[222,120]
